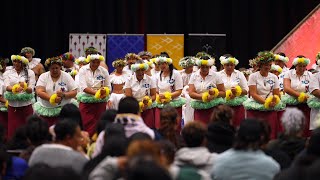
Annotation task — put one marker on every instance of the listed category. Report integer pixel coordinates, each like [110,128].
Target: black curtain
[250,25]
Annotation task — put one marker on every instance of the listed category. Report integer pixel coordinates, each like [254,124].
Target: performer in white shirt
[277,70]
[316,66]
[19,83]
[81,61]
[117,79]
[94,83]
[130,58]
[281,60]
[169,87]
[296,87]
[265,94]
[143,88]
[3,101]
[236,87]
[206,89]
[54,88]
[69,65]
[34,63]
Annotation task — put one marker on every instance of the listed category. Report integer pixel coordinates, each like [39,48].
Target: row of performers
[205,90]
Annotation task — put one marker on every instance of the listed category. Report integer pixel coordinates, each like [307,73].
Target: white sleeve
[153,83]
[219,79]
[71,85]
[276,82]
[192,78]
[41,81]
[287,74]
[252,80]
[82,79]
[243,82]
[314,82]
[107,79]
[127,84]
[32,80]
[178,81]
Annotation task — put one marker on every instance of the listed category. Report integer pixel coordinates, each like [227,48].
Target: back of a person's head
[168,124]
[220,136]
[194,134]
[313,147]
[168,150]
[19,139]
[128,105]
[114,129]
[65,128]
[43,171]
[222,113]
[249,135]
[143,167]
[106,118]
[37,130]
[139,136]
[71,111]
[115,146]
[293,121]
[144,147]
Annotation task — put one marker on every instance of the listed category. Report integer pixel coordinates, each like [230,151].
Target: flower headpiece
[201,54]
[20,58]
[82,60]
[187,61]
[132,56]
[276,68]
[5,60]
[91,50]
[205,62]
[264,57]
[118,62]
[67,56]
[150,63]
[145,53]
[28,50]
[94,57]
[224,60]
[162,59]
[301,60]
[53,60]
[318,58]
[143,66]
[281,58]
[252,62]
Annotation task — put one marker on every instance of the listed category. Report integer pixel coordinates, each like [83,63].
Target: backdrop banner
[79,42]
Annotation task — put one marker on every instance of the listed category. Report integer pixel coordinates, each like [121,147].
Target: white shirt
[281,77]
[213,68]
[314,82]
[114,79]
[210,81]
[285,69]
[65,83]
[128,70]
[74,67]
[95,80]
[142,88]
[299,84]
[236,78]
[34,62]
[166,84]
[264,85]
[185,77]
[315,67]
[11,77]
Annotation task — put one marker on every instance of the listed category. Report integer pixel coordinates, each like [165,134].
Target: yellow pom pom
[267,102]
[6,104]
[158,99]
[52,99]
[167,96]
[205,96]
[141,66]
[107,91]
[98,94]
[147,101]
[277,99]
[302,97]
[204,62]
[238,90]
[15,88]
[216,92]
[232,60]
[228,94]
[141,105]
[25,86]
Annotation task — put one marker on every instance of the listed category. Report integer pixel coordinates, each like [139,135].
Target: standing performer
[54,89]
[143,88]
[94,92]
[19,83]
[206,89]
[34,63]
[281,60]
[236,86]
[296,87]
[265,95]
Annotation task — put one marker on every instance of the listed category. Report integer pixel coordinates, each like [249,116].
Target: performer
[187,64]
[81,61]
[3,101]
[34,63]
[68,64]
[206,89]
[277,70]
[95,87]
[265,95]
[169,87]
[92,50]
[54,89]
[143,88]
[19,83]
[281,60]
[130,58]
[316,66]
[296,87]
[236,87]
[117,79]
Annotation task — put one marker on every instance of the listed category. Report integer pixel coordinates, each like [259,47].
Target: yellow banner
[173,44]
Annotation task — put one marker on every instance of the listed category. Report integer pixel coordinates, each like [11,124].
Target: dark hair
[37,130]
[128,105]
[222,113]
[170,69]
[65,128]
[313,147]
[71,111]
[164,54]
[281,54]
[2,134]
[19,139]
[194,134]
[168,122]
[43,171]
[139,136]
[106,118]
[168,149]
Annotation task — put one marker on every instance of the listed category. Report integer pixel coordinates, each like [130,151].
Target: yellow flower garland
[270,99]
[15,88]
[238,91]
[52,99]
[216,92]
[25,86]
[167,98]
[98,93]
[302,97]
[205,96]
[228,94]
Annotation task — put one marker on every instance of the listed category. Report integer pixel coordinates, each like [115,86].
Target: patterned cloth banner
[213,44]
[121,44]
[79,42]
[173,44]
[304,39]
